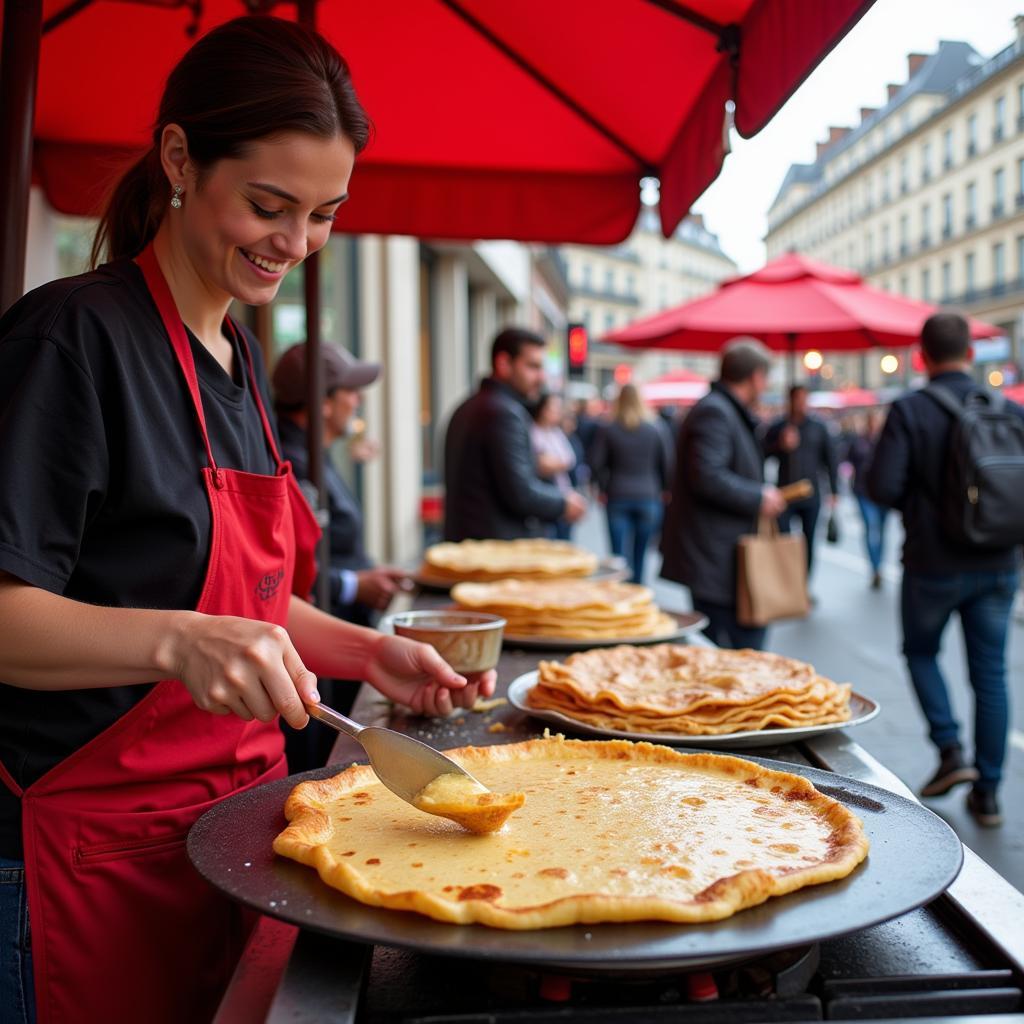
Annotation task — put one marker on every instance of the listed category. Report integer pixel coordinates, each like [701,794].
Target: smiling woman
[155,550]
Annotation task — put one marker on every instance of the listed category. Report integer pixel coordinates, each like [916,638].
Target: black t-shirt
[101,494]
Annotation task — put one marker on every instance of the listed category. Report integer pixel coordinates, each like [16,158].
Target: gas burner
[783,973]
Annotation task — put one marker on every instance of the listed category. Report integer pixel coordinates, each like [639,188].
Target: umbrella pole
[19,72]
[792,359]
[315,426]
[315,385]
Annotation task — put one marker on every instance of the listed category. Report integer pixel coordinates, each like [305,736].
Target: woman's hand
[242,666]
[414,674]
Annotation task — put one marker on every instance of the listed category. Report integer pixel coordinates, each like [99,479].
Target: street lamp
[995,378]
[813,360]
[889,363]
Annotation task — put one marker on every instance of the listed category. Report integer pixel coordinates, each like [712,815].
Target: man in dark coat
[942,576]
[806,451]
[718,492]
[492,488]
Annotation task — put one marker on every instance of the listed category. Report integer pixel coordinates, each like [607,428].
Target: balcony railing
[947,163]
[997,133]
[904,248]
[969,222]
[972,148]
[926,241]
[947,230]
[997,211]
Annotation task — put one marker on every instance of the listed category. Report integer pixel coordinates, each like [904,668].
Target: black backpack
[981,501]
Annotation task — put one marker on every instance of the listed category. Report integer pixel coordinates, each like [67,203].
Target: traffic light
[577,344]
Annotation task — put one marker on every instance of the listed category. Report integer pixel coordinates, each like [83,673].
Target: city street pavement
[853,635]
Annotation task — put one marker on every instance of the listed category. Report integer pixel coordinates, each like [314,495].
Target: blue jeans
[984,601]
[560,529]
[874,528]
[640,517]
[723,629]
[17,993]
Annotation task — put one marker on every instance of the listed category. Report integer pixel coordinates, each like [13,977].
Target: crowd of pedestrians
[518,464]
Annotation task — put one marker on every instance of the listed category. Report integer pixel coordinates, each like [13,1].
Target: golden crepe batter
[466,802]
[611,831]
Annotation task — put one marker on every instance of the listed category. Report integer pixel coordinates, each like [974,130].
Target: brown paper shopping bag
[771,576]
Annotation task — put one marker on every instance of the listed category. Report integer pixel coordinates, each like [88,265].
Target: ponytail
[133,211]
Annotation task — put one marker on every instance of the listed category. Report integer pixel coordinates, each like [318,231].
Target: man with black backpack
[951,459]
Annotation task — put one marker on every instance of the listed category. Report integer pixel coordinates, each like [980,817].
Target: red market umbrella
[847,398]
[1015,393]
[678,387]
[791,304]
[531,120]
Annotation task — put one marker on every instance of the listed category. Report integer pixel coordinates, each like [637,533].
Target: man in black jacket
[941,576]
[805,451]
[492,488]
[718,492]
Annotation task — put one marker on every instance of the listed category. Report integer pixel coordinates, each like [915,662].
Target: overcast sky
[853,75]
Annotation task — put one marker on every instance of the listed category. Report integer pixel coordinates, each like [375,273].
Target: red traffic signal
[577,346]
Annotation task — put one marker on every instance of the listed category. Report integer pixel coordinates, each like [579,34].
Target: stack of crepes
[690,691]
[487,560]
[568,609]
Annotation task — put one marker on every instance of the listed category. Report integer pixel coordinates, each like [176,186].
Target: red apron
[123,928]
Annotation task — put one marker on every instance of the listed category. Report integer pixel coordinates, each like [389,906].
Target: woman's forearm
[49,642]
[330,647]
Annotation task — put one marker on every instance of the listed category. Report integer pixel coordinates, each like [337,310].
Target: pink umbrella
[678,387]
[1015,393]
[847,398]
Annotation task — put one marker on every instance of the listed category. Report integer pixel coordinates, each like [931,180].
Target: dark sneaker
[952,771]
[984,808]
[876,581]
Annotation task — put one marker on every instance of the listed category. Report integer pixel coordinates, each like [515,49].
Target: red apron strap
[179,339]
[8,780]
[243,344]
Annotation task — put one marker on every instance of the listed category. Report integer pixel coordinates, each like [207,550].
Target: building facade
[925,197]
[610,286]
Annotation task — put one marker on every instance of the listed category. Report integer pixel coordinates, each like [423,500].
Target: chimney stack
[891,91]
[914,62]
[866,112]
[1018,24]
[820,148]
[835,134]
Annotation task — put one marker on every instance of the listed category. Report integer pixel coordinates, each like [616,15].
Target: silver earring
[176,198]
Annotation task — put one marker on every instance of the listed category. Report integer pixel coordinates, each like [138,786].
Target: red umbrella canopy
[531,120]
[1015,393]
[791,303]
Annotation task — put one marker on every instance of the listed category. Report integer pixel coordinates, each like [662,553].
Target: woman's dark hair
[249,79]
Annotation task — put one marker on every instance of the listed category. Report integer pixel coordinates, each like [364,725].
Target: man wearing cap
[357,588]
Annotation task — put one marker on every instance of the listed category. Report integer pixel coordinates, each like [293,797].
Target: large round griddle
[914,857]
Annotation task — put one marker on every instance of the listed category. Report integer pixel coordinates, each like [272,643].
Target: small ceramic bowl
[468,641]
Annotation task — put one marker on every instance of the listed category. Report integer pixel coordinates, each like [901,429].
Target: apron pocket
[98,853]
